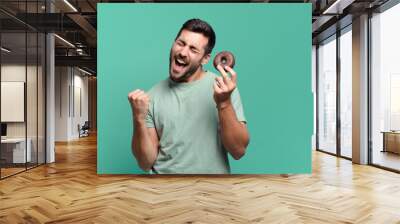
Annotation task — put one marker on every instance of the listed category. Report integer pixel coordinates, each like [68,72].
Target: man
[188,122]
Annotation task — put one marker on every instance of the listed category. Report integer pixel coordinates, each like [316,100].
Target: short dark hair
[200,26]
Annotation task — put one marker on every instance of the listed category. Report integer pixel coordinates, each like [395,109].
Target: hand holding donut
[139,101]
[224,86]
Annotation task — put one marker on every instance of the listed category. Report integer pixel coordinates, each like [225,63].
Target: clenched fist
[140,103]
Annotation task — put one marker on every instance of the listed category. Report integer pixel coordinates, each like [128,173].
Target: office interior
[49,83]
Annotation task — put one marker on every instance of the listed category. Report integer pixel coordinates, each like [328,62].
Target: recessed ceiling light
[84,71]
[64,40]
[337,7]
[5,50]
[70,5]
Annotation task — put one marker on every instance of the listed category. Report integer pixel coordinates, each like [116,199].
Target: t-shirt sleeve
[237,105]
[150,115]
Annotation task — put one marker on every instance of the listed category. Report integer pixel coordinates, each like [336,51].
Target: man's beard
[190,70]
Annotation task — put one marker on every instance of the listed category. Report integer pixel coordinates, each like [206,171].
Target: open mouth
[180,63]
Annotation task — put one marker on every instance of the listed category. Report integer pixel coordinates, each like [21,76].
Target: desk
[391,141]
[13,150]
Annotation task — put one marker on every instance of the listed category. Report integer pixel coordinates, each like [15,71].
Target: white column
[50,92]
[360,90]
[50,100]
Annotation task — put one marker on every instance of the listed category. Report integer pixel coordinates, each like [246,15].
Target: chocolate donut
[225,58]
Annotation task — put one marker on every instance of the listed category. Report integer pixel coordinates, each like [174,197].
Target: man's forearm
[234,133]
[142,146]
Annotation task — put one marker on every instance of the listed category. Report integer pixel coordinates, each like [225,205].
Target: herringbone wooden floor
[70,191]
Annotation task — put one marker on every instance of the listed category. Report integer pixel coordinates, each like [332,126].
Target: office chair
[84,130]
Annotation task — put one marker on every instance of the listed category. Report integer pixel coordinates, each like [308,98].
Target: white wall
[62,81]
[9,73]
[70,94]
[80,103]
[16,72]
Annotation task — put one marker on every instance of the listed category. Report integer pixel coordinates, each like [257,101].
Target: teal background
[272,45]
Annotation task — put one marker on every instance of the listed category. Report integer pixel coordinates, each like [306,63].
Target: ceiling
[76,22]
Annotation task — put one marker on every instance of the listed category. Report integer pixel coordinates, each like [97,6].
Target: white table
[18,149]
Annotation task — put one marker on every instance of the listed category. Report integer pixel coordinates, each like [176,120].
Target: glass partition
[346,93]
[327,95]
[385,89]
[13,103]
[22,77]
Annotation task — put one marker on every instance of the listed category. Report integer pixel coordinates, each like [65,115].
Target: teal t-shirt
[186,119]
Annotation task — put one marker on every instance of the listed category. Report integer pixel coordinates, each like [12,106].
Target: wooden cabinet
[391,142]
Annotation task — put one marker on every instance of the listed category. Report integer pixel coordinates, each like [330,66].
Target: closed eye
[180,43]
[193,49]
